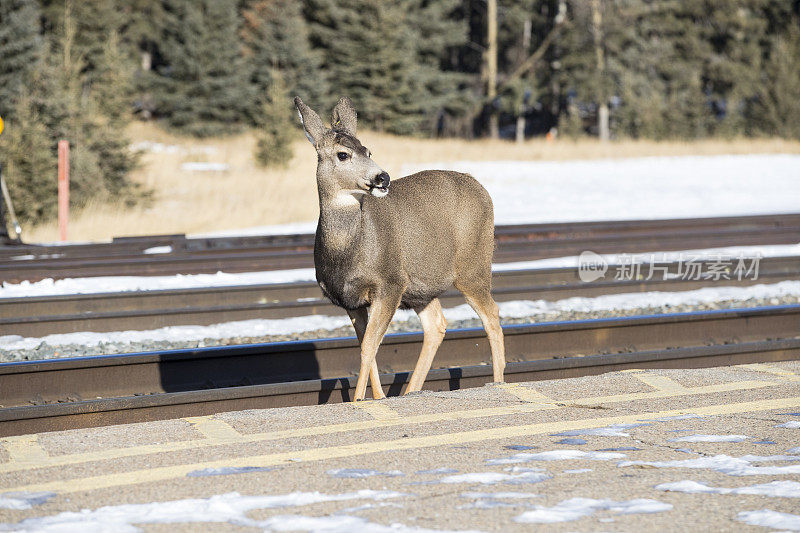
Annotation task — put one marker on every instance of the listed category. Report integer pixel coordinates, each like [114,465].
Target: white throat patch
[346,199]
[379,193]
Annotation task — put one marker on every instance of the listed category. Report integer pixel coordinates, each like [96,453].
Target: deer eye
[343,156]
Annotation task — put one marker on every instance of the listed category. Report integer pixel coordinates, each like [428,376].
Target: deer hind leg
[434,326]
[359,318]
[482,302]
[381,313]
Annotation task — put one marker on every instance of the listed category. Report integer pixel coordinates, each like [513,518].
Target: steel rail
[91,391]
[240,254]
[39,316]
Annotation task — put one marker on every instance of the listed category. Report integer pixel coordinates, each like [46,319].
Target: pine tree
[276,125]
[203,88]
[277,39]
[29,163]
[777,107]
[20,49]
[58,104]
[387,57]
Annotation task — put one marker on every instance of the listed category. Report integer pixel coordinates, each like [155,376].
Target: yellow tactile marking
[25,449]
[359,449]
[214,429]
[376,410]
[526,394]
[773,370]
[661,383]
[514,409]
[706,389]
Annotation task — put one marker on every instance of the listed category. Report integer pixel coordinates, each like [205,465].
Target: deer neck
[340,220]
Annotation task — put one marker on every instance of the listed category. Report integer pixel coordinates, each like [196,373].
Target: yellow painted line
[363,448]
[526,394]
[706,389]
[507,410]
[25,449]
[214,429]
[661,383]
[773,370]
[376,409]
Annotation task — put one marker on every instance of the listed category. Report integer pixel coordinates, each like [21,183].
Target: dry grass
[246,195]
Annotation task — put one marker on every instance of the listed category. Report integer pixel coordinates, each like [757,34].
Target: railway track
[93,391]
[39,316]
[172,254]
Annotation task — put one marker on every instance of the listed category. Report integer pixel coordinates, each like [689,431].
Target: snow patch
[710,438]
[697,254]
[106,284]
[784,489]
[576,508]
[204,166]
[23,500]
[512,309]
[556,455]
[227,470]
[772,519]
[442,470]
[337,524]
[733,466]
[794,424]
[490,478]
[101,284]
[231,507]
[358,473]
[615,430]
[635,188]
[159,250]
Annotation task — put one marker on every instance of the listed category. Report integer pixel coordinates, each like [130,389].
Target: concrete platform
[668,450]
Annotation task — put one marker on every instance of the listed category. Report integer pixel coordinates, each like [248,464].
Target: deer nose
[381,180]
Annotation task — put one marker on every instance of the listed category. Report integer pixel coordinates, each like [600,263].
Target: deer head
[344,165]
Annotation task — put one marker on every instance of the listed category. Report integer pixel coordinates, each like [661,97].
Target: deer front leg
[381,312]
[359,318]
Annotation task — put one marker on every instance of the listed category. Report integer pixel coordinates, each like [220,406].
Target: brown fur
[433,230]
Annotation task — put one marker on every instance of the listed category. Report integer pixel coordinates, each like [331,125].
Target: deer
[379,247]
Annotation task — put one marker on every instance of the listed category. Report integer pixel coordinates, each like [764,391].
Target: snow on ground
[491,478]
[278,229]
[358,473]
[576,508]
[733,466]
[23,500]
[104,284]
[782,489]
[638,188]
[794,424]
[710,438]
[96,285]
[617,189]
[616,430]
[223,508]
[555,455]
[513,309]
[772,519]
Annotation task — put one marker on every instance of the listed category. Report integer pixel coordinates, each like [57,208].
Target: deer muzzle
[379,186]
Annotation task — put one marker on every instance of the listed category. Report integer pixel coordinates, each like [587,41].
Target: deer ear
[344,116]
[312,124]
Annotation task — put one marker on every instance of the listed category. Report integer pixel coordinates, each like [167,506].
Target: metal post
[63,188]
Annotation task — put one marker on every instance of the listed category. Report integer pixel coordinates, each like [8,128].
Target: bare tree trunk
[491,67]
[526,44]
[602,98]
